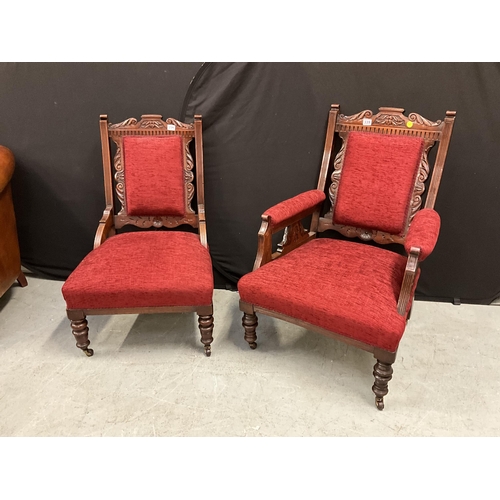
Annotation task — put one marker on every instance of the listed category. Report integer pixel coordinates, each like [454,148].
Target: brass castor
[379,403]
[253,345]
[208,351]
[88,352]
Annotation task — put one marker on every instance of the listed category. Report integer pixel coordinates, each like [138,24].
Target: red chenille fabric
[293,206]
[154,175]
[143,269]
[377,181]
[423,232]
[345,287]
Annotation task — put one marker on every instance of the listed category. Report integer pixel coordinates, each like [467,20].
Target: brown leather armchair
[10,259]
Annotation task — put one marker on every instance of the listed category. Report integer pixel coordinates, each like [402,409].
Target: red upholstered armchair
[358,293]
[147,271]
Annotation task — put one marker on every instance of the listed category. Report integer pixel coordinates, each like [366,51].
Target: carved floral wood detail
[416,118]
[152,121]
[367,113]
[126,123]
[293,235]
[155,220]
[152,125]
[388,119]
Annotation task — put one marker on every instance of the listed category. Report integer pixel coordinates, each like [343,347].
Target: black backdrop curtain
[264,126]
[50,120]
[264,129]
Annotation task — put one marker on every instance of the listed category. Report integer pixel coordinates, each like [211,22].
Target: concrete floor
[149,376]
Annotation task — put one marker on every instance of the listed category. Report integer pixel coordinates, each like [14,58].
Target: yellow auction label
[409,124]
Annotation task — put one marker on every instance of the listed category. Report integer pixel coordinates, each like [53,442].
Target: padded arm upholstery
[282,215]
[423,232]
[294,206]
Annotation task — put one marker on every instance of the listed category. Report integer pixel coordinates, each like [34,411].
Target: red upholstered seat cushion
[142,269]
[377,181]
[345,287]
[154,175]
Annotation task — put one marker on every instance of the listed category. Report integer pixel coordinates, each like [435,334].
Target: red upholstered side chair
[358,293]
[147,271]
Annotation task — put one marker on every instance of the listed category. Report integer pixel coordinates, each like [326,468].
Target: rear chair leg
[81,333]
[382,373]
[250,323]
[206,325]
[21,279]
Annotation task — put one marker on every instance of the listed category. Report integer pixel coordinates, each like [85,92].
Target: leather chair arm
[7,163]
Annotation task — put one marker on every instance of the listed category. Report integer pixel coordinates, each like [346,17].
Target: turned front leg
[206,325]
[81,333]
[250,323]
[383,374]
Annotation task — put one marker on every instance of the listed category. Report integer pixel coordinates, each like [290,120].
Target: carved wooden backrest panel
[389,121]
[152,126]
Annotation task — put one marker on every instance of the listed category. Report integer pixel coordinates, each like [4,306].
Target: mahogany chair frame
[148,125]
[390,121]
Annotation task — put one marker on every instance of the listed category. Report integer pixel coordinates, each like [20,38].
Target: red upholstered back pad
[154,175]
[377,181]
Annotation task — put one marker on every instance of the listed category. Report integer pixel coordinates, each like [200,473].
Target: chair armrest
[408,284]
[419,244]
[106,227]
[286,214]
[7,163]
[202,225]
[423,232]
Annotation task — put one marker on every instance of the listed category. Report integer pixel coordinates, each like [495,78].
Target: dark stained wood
[440,159]
[106,162]
[294,236]
[200,180]
[264,243]
[78,313]
[325,162]
[206,325]
[148,125]
[246,307]
[10,257]
[383,374]
[250,324]
[405,293]
[390,121]
[81,333]
[105,229]
[21,279]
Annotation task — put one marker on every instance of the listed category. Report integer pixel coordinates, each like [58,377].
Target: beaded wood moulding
[388,121]
[152,125]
